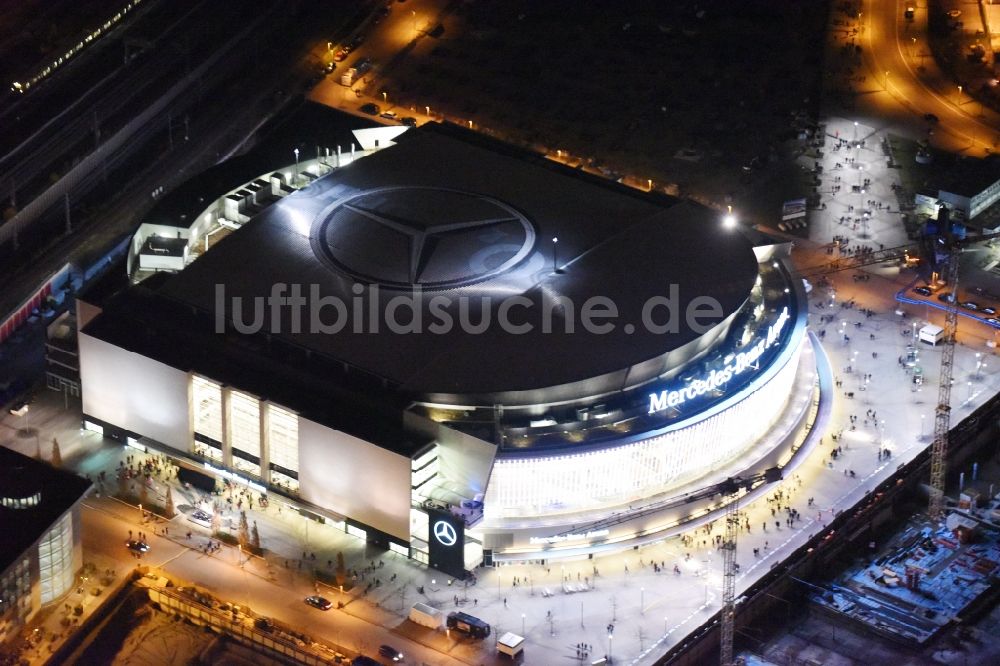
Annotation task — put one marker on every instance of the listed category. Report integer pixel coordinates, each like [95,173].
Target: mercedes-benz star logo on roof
[445,533]
[432,237]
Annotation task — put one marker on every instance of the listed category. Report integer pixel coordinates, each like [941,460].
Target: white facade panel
[355,478]
[134,392]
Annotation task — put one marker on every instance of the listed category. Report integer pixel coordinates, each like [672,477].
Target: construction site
[925,578]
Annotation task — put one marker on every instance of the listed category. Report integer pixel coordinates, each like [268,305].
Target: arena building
[453,348]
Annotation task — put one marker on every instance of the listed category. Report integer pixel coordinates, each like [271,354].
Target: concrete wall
[134,392]
[352,477]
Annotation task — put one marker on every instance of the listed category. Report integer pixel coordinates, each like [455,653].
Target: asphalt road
[105,528]
[916,83]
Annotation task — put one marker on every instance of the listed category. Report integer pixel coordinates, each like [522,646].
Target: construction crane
[731,490]
[942,413]
[727,617]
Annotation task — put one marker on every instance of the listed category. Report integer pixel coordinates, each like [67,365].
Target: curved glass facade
[552,485]
[55,560]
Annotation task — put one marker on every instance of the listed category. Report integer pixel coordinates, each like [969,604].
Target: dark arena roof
[451,214]
[33,495]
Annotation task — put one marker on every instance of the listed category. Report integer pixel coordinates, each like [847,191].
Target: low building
[968,187]
[40,551]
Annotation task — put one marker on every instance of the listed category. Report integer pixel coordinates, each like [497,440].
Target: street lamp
[428,109]
[649,184]
[296,151]
[555,269]
[729,221]
[385,97]
[959,102]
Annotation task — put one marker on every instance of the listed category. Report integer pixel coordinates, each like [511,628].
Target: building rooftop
[306,128]
[44,492]
[966,176]
[450,213]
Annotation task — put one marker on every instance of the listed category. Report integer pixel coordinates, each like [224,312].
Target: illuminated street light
[555,267]
[385,97]
[428,109]
[296,151]
[729,220]
[649,184]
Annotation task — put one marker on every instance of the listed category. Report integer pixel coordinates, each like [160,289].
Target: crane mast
[942,413]
[729,571]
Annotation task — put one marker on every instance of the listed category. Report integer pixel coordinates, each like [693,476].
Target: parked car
[988,310]
[970,305]
[946,298]
[409,121]
[199,517]
[370,108]
[342,54]
[923,291]
[389,115]
[319,602]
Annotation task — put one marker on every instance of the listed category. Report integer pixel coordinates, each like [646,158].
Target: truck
[354,73]
[425,616]
[468,624]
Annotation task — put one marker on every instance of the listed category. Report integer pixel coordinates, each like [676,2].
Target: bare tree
[255,537]
[244,533]
[169,509]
